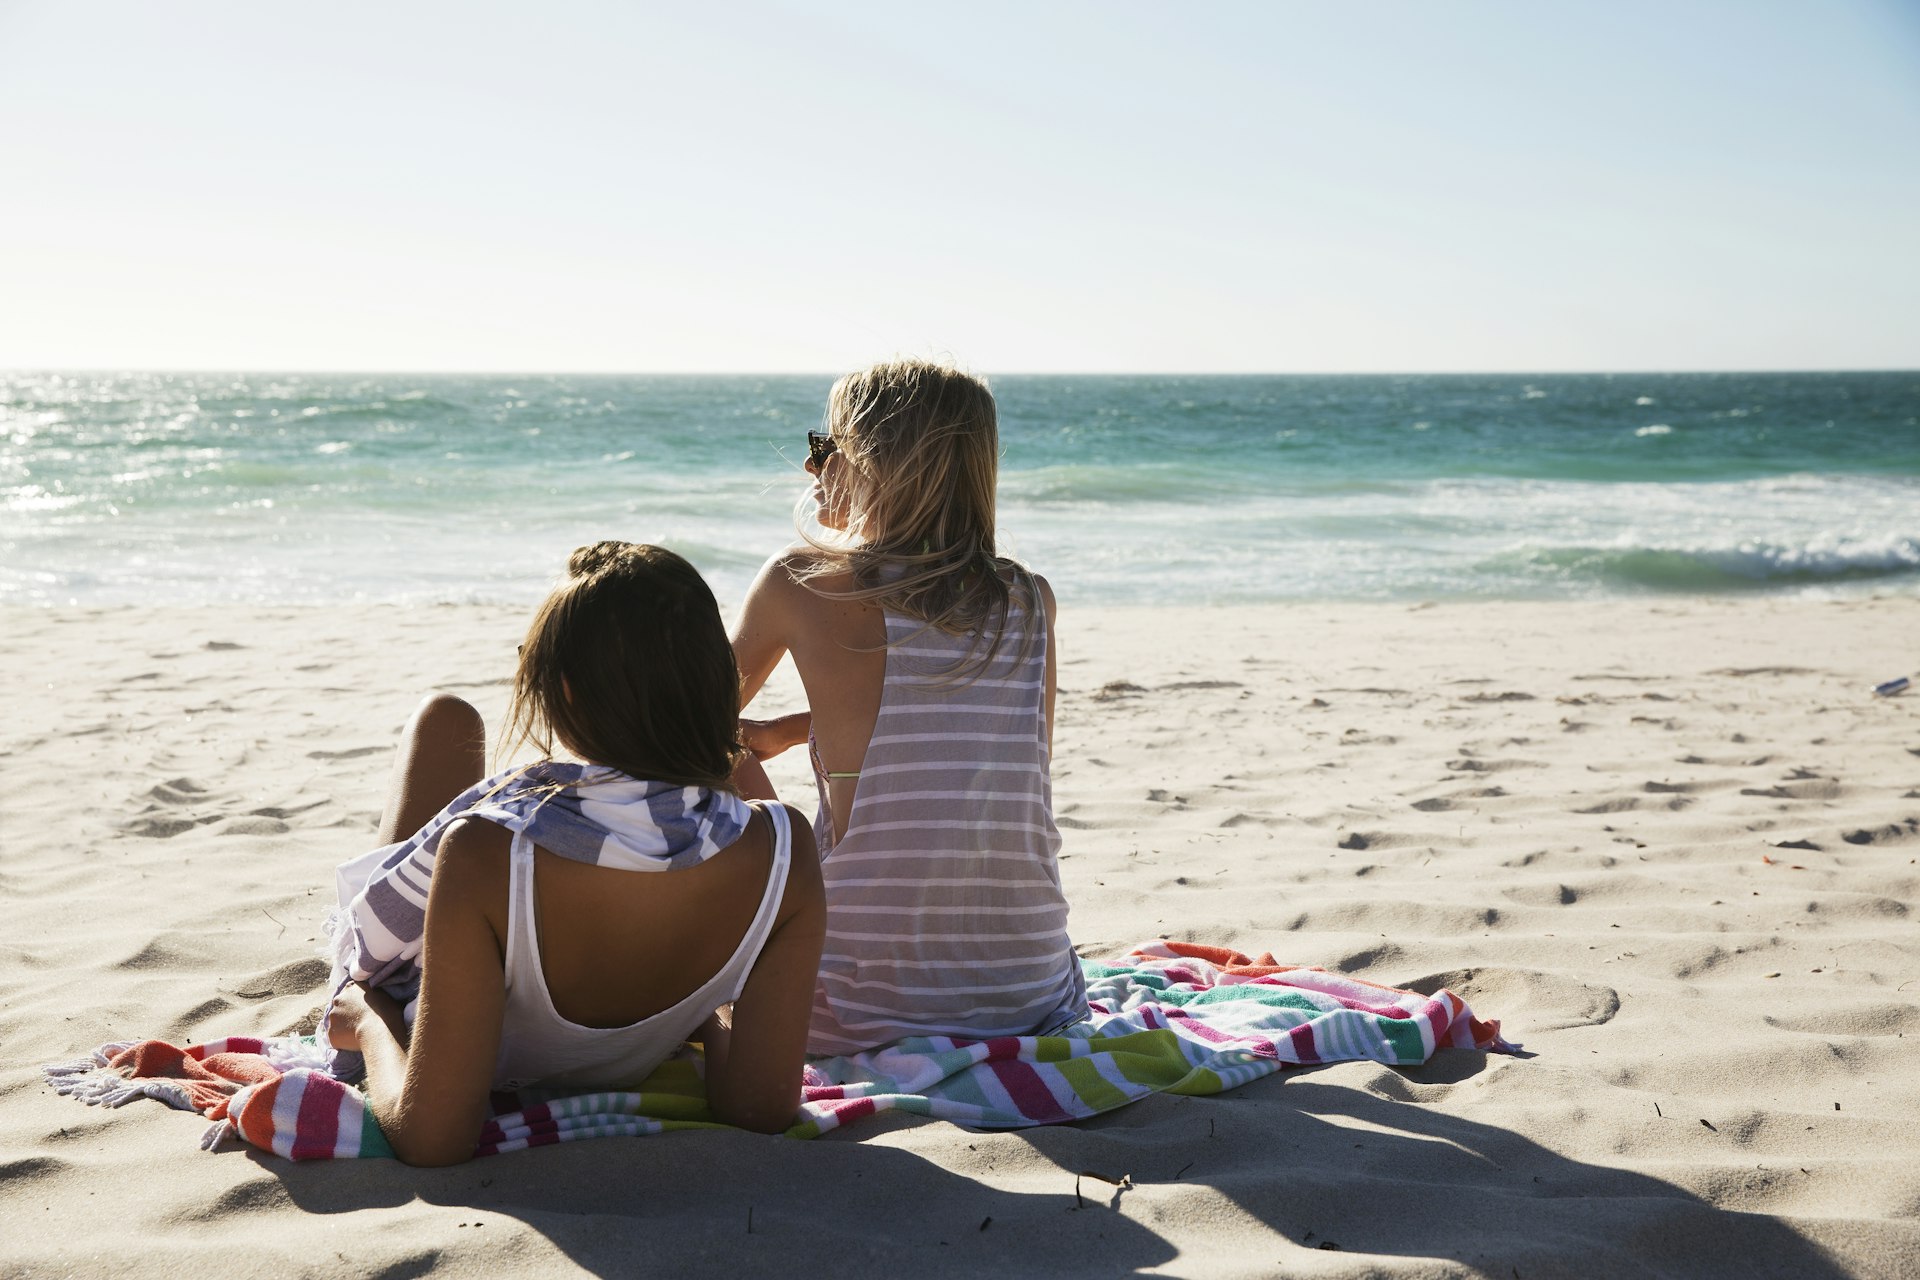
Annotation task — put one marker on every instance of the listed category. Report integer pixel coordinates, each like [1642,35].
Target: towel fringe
[99,1086]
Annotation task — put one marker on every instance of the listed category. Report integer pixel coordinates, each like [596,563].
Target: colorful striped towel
[1171,1017]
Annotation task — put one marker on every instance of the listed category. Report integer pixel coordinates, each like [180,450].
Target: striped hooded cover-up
[944,909]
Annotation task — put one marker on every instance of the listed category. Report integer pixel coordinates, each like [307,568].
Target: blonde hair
[923,442]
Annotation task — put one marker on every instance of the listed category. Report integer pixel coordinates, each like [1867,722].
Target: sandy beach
[1670,843]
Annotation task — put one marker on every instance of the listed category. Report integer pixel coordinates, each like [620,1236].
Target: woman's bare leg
[443,751]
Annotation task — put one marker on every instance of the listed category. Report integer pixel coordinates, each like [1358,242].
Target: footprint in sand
[351,753]
[1249,820]
[1619,804]
[1368,957]
[175,794]
[287,810]
[159,828]
[1538,895]
[1440,804]
[1470,764]
[1686,788]
[290,979]
[1876,1018]
[178,791]
[1381,840]
[160,955]
[267,1195]
[1818,789]
[1892,833]
[250,826]
[1526,1000]
[26,1169]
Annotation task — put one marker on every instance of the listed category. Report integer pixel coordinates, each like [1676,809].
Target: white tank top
[538,1046]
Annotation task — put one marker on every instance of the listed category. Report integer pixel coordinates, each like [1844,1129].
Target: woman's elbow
[429,1146]
[760,1115]
[765,1121]
[429,1154]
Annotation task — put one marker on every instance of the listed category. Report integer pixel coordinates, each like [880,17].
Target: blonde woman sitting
[928,661]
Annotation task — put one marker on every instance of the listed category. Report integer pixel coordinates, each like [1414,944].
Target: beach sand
[1670,843]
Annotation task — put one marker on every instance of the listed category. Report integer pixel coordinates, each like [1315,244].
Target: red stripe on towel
[318,1131]
[1030,1095]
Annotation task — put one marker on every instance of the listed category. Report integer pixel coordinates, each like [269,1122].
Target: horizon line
[1009,373]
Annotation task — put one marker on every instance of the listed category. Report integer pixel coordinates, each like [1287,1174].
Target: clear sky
[768,186]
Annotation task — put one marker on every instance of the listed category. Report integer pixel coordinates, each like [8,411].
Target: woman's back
[608,972]
[602,931]
[944,910]
[945,915]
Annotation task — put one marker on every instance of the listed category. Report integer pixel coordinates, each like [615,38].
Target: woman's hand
[344,1018]
[354,1011]
[768,738]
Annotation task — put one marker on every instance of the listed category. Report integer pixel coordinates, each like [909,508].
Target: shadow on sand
[1345,1181]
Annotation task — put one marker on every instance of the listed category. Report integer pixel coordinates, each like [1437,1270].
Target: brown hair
[923,442]
[628,665]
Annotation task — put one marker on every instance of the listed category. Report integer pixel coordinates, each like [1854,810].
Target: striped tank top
[944,909]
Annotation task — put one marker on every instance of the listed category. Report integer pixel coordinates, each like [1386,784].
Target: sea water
[307,488]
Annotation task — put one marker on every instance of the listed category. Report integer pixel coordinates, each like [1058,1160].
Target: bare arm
[430,1096]
[753,1067]
[768,738]
[763,629]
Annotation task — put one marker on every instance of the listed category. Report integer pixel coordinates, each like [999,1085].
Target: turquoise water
[327,488]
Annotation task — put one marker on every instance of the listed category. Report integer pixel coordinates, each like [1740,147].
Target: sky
[1061,187]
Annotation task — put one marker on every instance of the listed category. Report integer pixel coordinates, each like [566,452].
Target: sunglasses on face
[820,447]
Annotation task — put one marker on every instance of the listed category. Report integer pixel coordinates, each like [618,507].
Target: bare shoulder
[790,568]
[472,864]
[1042,591]
[1045,589]
[790,581]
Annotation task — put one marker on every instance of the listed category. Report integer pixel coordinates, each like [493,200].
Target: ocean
[317,488]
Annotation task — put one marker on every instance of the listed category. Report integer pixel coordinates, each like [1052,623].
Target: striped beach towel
[1170,1017]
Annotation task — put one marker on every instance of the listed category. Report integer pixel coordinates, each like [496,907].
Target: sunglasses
[820,447]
